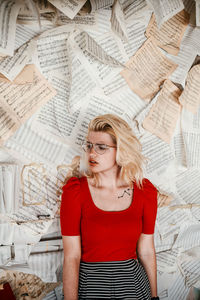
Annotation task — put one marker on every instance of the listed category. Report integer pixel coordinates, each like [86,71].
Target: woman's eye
[102,147]
[88,146]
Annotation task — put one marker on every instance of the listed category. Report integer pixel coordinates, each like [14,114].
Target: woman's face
[100,162]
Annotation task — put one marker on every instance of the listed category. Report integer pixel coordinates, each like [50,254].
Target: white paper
[68,7]
[165,10]
[8,15]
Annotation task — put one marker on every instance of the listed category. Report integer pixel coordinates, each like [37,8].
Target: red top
[107,235]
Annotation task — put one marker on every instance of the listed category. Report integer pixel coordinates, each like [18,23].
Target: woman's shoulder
[148,189]
[73,183]
[147,184]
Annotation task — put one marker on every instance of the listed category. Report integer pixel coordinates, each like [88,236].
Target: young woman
[107,218]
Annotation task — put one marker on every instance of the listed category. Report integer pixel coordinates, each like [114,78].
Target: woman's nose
[92,151]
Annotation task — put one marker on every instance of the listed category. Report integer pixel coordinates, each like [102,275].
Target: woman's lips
[93,162]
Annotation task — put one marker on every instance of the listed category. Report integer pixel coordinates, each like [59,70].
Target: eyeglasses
[98,148]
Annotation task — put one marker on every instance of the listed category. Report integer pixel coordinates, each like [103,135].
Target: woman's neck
[109,179]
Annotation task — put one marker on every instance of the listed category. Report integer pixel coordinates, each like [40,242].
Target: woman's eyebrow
[98,143]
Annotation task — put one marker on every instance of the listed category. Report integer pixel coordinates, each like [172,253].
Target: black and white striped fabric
[125,279]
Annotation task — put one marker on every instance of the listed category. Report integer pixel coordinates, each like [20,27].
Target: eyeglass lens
[99,148]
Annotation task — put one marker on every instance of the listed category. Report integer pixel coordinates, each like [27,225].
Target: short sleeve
[150,207]
[70,209]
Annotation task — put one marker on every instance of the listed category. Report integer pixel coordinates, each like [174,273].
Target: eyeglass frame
[93,146]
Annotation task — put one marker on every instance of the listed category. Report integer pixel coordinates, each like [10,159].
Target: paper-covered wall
[61,64]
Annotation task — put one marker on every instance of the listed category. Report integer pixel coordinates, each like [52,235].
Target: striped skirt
[124,279]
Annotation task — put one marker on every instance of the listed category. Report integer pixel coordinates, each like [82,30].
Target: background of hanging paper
[63,62]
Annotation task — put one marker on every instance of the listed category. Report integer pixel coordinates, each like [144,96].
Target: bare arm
[147,257]
[72,257]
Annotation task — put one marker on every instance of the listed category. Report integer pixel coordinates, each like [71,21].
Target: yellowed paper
[19,101]
[36,176]
[36,287]
[163,200]
[184,206]
[10,67]
[170,34]
[164,114]
[25,76]
[147,70]
[190,98]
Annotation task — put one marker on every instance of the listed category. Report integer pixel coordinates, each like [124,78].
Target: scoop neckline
[110,211]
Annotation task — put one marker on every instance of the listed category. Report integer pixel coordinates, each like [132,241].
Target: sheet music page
[97,60]
[38,199]
[32,16]
[118,23]
[177,288]
[171,221]
[40,147]
[68,7]
[102,25]
[86,21]
[134,9]
[8,15]
[5,254]
[191,136]
[189,99]
[184,60]
[9,188]
[45,265]
[114,85]
[54,116]
[6,232]
[166,260]
[94,106]
[45,7]
[165,10]
[83,77]
[191,38]
[93,48]
[14,97]
[174,27]
[11,66]
[57,60]
[190,190]
[162,244]
[99,4]
[188,238]
[164,281]
[147,69]
[163,200]
[197,12]
[189,5]
[136,38]
[95,73]
[26,32]
[161,119]
[128,99]
[192,149]
[189,264]
[157,152]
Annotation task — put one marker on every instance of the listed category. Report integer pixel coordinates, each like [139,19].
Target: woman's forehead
[99,137]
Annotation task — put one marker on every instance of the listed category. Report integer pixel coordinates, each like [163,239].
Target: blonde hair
[129,157]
